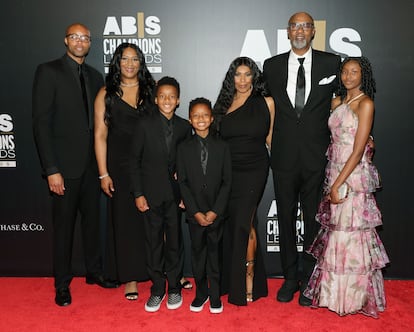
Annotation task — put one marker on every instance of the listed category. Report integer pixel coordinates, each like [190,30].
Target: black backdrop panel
[195,42]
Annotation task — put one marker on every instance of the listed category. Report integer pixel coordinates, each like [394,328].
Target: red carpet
[27,304]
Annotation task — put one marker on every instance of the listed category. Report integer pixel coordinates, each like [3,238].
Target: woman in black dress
[126,97]
[244,117]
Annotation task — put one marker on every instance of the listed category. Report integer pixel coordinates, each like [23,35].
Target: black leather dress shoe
[101,281]
[303,300]
[63,297]
[288,289]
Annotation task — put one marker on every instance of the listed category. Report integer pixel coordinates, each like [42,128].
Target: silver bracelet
[103,176]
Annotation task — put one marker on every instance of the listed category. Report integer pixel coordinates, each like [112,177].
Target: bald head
[301,15]
[76,26]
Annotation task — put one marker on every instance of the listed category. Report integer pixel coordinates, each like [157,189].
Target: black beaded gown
[245,129]
[127,222]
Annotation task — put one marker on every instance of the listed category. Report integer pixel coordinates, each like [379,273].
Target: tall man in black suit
[63,95]
[302,83]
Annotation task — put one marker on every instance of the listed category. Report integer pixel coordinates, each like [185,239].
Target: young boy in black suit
[204,175]
[156,192]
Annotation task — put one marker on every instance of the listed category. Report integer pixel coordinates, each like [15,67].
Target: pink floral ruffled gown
[350,255]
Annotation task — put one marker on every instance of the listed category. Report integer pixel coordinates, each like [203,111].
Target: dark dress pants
[163,246]
[81,195]
[206,259]
[297,184]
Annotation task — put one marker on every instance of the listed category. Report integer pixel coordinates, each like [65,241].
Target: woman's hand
[107,185]
[334,196]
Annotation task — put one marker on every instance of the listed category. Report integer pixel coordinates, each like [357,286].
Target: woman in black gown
[244,117]
[119,105]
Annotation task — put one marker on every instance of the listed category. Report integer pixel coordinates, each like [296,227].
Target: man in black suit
[204,175]
[156,192]
[63,95]
[302,83]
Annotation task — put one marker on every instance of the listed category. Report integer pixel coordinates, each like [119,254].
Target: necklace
[129,85]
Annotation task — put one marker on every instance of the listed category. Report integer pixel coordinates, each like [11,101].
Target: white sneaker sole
[216,310]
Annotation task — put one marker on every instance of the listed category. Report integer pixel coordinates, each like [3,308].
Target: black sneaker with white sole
[174,301]
[216,307]
[198,304]
[154,302]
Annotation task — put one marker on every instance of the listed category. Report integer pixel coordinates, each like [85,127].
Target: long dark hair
[145,98]
[228,90]
[368,84]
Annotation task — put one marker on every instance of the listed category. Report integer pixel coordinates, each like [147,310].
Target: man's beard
[299,44]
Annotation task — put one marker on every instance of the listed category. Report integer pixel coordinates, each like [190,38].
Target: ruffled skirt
[350,255]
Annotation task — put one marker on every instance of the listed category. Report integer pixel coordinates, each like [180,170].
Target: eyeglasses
[76,37]
[306,26]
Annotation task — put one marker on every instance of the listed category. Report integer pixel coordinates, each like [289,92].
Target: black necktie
[204,155]
[84,94]
[168,134]
[300,88]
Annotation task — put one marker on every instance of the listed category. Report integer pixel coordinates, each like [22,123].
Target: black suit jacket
[152,168]
[301,140]
[204,192]
[63,134]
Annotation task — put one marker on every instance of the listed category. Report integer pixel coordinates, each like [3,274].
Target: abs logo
[7,146]
[141,30]
[341,41]
[273,232]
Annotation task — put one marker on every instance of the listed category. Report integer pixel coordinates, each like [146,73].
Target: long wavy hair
[368,84]
[228,89]
[145,97]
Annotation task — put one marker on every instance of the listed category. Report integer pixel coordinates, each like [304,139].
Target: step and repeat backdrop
[195,41]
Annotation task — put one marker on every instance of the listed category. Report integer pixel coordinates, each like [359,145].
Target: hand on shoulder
[335,102]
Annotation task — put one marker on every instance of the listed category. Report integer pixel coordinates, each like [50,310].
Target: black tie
[168,134]
[300,88]
[204,155]
[84,94]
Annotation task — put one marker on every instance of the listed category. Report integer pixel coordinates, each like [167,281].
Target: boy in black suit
[156,192]
[204,175]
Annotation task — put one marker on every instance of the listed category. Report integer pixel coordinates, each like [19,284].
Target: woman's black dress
[245,129]
[127,222]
